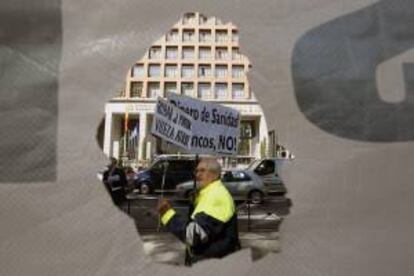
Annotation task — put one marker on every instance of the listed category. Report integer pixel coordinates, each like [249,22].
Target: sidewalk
[165,248]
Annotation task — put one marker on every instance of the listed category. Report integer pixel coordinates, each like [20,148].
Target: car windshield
[235,176]
[254,164]
[156,165]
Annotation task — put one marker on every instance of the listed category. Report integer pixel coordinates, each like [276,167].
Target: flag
[134,132]
[133,142]
[126,122]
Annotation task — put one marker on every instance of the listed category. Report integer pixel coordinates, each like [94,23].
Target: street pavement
[258,226]
[263,217]
[165,248]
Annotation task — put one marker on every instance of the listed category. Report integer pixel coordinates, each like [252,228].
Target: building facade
[199,57]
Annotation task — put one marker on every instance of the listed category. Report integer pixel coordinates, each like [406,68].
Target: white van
[268,169]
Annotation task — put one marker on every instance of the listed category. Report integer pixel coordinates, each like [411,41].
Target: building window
[170,87]
[189,18]
[136,89]
[155,52]
[204,70]
[188,52]
[221,53]
[187,89]
[220,90]
[202,20]
[244,147]
[237,91]
[247,133]
[204,53]
[234,36]
[172,36]
[187,71]
[188,35]
[221,36]
[247,130]
[204,90]
[211,21]
[154,90]
[171,52]
[137,71]
[235,54]
[205,36]
[221,71]
[154,70]
[237,71]
[170,70]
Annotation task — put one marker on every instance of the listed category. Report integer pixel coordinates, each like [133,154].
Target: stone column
[108,132]
[142,134]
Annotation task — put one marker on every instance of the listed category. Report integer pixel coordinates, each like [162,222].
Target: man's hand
[163,206]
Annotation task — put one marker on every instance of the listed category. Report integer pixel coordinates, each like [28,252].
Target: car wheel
[145,188]
[256,197]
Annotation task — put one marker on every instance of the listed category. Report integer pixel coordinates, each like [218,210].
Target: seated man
[212,230]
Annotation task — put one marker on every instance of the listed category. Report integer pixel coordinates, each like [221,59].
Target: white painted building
[199,57]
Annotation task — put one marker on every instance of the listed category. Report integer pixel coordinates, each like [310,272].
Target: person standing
[212,230]
[115,180]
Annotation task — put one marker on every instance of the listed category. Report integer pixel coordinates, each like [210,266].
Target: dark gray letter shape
[334,66]
[30,51]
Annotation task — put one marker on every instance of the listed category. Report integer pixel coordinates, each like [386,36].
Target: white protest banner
[215,128]
[172,124]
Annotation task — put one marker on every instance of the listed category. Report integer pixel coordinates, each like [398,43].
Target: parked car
[130,178]
[177,168]
[268,170]
[240,183]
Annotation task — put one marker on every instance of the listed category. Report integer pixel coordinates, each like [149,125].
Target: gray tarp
[334,77]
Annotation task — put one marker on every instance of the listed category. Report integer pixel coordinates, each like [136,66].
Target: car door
[179,171]
[183,172]
[170,178]
[155,174]
[186,171]
[238,183]
[242,184]
[228,181]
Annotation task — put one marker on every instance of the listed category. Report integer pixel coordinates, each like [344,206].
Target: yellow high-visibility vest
[214,200]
